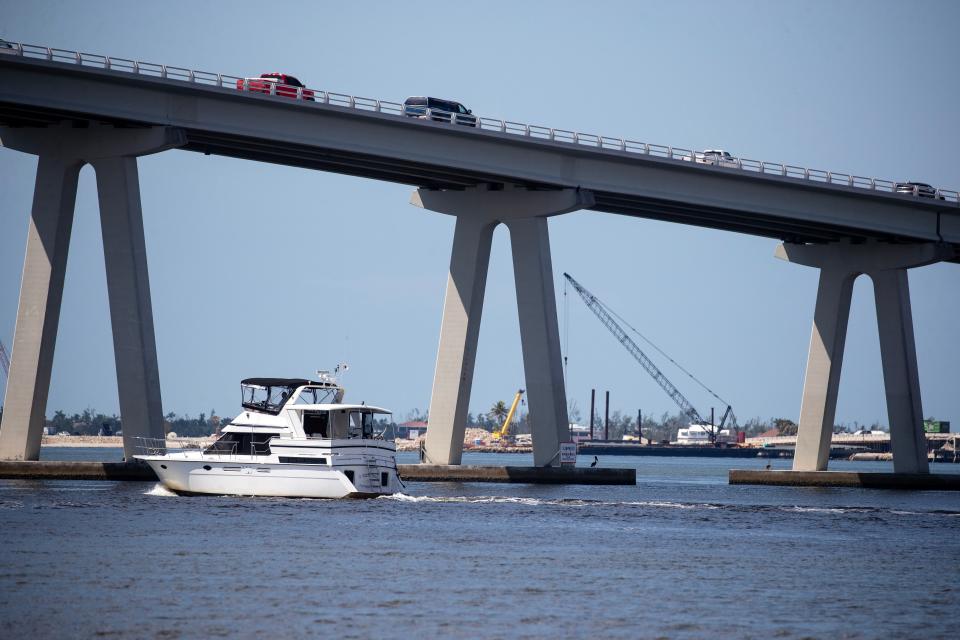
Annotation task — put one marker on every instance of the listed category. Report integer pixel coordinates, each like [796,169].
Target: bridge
[71,108]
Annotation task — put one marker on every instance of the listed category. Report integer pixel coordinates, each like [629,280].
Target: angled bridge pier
[478,212]
[62,151]
[840,264]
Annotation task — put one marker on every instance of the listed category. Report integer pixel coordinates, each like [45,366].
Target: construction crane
[606,317]
[502,433]
[4,361]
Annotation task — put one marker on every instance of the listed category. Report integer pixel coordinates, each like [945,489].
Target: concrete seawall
[51,470]
[907,481]
[535,475]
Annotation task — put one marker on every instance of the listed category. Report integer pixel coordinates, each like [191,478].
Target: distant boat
[700,434]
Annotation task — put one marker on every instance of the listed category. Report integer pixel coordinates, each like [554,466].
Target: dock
[862,480]
[137,471]
[617,448]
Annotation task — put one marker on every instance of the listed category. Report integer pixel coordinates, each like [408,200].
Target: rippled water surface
[680,555]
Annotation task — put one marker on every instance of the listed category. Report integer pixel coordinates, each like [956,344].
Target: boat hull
[212,477]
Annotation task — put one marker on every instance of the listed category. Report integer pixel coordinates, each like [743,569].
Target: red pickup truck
[276,83]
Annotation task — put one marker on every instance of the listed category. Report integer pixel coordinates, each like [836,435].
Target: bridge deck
[362,137]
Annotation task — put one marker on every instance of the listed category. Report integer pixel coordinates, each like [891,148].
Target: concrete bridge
[72,109]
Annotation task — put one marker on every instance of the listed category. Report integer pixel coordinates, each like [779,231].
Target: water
[681,555]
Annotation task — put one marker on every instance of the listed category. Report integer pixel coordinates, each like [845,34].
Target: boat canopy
[363,408]
[281,382]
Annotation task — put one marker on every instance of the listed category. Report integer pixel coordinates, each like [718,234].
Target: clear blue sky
[862,87]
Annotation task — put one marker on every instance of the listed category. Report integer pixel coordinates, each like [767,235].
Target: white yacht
[701,434]
[295,438]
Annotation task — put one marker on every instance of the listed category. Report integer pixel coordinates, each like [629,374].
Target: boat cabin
[270,395]
[295,409]
[340,421]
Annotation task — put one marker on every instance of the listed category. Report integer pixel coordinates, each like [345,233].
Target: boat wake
[160,490]
[662,504]
[559,502]
[402,497]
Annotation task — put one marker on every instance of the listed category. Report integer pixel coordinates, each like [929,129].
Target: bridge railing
[532,131]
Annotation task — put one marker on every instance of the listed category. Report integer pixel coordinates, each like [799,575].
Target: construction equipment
[501,434]
[4,361]
[606,317]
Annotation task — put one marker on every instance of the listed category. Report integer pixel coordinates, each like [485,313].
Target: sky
[245,284]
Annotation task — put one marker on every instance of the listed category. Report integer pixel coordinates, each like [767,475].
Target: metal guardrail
[536,132]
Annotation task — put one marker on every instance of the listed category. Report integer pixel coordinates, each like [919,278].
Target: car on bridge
[279,84]
[717,157]
[438,110]
[6,47]
[918,189]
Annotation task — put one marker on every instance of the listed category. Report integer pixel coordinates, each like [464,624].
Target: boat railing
[161,446]
[149,446]
[220,449]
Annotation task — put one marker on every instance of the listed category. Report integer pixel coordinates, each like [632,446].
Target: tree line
[656,428]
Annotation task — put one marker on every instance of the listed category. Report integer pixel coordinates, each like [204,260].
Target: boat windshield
[247,444]
[364,424]
[265,398]
[316,395]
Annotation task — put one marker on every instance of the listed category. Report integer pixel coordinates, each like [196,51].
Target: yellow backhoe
[503,432]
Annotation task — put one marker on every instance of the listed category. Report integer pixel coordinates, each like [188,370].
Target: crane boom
[685,406]
[499,435]
[594,305]
[4,361]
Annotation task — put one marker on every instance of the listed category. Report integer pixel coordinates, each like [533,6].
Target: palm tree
[498,412]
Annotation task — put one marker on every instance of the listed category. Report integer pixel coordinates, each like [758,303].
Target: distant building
[579,432]
[936,426]
[411,430]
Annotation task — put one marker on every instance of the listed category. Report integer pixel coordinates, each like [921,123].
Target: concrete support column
[38,315]
[62,151]
[839,265]
[539,336]
[478,211]
[901,379]
[128,287]
[459,334]
[824,361]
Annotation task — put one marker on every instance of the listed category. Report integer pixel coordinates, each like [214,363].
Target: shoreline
[116,442]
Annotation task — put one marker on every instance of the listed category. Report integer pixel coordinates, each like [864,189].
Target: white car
[717,157]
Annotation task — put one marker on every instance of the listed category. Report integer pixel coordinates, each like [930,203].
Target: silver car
[918,189]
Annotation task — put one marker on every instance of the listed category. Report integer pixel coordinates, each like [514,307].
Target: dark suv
[919,189]
[438,110]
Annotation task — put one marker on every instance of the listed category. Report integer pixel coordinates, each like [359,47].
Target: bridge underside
[437,176]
